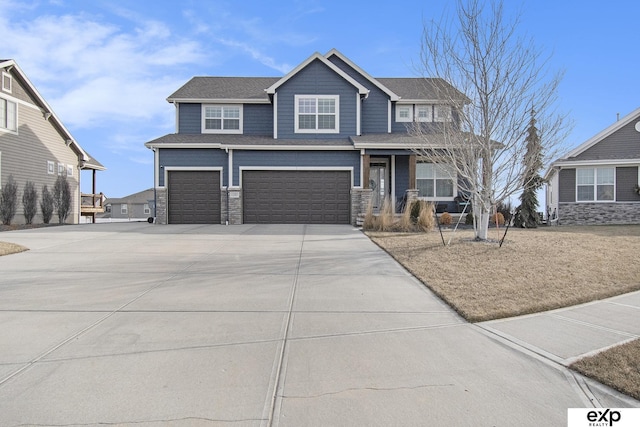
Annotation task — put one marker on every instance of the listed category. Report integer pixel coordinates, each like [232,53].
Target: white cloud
[92,73]
[264,59]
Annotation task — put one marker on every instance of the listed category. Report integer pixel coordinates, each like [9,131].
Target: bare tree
[8,201]
[29,201]
[62,198]
[503,77]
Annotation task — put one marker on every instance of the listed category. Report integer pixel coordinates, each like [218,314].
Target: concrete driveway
[151,325]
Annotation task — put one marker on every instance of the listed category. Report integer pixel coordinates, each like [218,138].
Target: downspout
[229,178]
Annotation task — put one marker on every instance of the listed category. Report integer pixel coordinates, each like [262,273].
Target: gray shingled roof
[253,88]
[225,88]
[419,88]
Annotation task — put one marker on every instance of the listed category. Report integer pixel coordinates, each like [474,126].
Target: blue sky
[107,67]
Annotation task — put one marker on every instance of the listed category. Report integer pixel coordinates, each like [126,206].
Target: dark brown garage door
[296,197]
[194,197]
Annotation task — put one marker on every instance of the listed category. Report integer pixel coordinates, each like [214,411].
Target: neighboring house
[597,183]
[35,146]
[138,206]
[315,146]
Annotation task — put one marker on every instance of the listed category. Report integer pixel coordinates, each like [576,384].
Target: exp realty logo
[603,417]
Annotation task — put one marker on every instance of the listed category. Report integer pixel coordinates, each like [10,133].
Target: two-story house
[315,146]
[36,146]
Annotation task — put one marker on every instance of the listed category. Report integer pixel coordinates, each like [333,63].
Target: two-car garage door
[268,197]
[296,197]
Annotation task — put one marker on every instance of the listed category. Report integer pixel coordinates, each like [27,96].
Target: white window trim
[124,209]
[2,125]
[437,198]
[69,170]
[146,209]
[229,131]
[61,168]
[404,119]
[10,77]
[595,185]
[51,167]
[429,108]
[336,98]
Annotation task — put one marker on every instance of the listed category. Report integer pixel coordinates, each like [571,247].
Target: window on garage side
[595,184]
[222,119]
[317,114]
[435,181]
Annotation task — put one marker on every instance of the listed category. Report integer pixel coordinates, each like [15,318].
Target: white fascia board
[289,147]
[605,133]
[603,162]
[393,146]
[421,101]
[47,107]
[361,89]
[218,101]
[182,145]
[363,73]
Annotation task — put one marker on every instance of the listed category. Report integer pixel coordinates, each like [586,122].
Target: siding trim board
[168,169]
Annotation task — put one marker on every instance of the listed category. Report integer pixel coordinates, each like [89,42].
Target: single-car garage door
[296,197]
[194,197]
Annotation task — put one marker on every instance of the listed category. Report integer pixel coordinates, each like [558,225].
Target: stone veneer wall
[598,213]
[161,205]
[360,198]
[235,205]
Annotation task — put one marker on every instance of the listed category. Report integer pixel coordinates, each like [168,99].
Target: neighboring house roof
[136,198]
[51,115]
[316,56]
[226,89]
[571,158]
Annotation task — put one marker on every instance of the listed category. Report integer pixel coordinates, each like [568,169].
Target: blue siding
[192,157]
[374,113]
[402,177]
[257,119]
[296,159]
[316,79]
[189,118]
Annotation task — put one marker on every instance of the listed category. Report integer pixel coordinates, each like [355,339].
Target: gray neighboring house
[599,181]
[314,146]
[36,146]
[137,206]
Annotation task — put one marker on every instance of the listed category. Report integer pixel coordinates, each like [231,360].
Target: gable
[624,143]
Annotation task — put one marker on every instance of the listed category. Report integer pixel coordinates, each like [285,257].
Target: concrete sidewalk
[139,324]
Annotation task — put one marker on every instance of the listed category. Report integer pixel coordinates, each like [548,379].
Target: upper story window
[435,181]
[404,113]
[442,113]
[424,113]
[8,115]
[222,119]
[595,184]
[317,113]
[6,82]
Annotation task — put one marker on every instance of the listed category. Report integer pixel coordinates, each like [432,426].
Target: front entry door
[378,182]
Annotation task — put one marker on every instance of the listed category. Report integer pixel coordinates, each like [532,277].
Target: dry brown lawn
[534,270]
[11,248]
[618,367]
